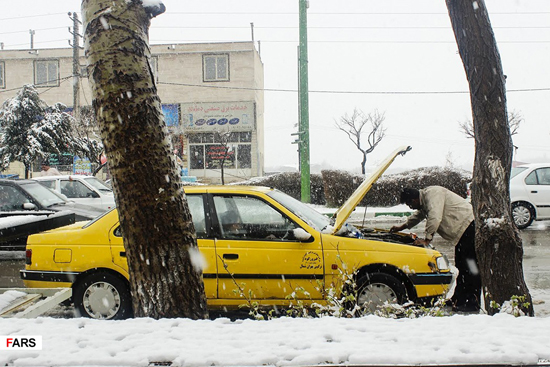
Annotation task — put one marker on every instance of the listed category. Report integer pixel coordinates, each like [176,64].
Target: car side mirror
[300,234]
[29,206]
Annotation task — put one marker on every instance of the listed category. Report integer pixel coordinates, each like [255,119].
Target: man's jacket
[445,212]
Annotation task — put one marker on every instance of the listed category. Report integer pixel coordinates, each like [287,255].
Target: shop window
[223,138]
[196,157]
[46,73]
[215,67]
[244,156]
[208,151]
[207,138]
[216,155]
[245,137]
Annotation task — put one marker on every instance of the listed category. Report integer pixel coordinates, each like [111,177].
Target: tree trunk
[158,233]
[498,245]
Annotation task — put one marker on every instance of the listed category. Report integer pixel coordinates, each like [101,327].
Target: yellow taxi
[256,241]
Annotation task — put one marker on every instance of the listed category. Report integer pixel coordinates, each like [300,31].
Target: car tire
[104,296]
[376,289]
[523,214]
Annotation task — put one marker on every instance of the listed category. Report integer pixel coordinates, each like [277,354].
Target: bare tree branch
[353,127]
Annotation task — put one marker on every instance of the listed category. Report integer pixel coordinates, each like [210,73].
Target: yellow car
[257,242]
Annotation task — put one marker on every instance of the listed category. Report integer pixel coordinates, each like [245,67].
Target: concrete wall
[179,81]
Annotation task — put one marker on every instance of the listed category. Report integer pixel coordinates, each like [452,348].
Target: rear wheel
[523,214]
[103,296]
[376,289]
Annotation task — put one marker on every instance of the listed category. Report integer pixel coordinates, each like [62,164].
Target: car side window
[247,217]
[75,189]
[196,207]
[11,199]
[531,178]
[543,176]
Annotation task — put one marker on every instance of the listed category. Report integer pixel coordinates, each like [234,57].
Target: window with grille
[46,73]
[215,67]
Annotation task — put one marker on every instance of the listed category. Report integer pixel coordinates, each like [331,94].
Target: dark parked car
[20,199]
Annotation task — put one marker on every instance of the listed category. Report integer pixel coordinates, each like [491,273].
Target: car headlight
[442,263]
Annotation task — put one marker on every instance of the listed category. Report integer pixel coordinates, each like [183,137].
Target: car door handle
[122,253]
[230,256]
[534,192]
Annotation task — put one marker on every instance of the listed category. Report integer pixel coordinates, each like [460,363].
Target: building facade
[211,93]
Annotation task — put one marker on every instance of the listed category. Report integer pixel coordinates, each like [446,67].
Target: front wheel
[522,214]
[103,296]
[376,289]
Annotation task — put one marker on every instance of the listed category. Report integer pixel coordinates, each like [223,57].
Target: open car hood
[342,214]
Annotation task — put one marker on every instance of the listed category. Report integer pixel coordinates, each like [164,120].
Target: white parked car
[530,193]
[88,190]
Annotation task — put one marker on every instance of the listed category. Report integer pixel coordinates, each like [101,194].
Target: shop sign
[206,117]
[82,166]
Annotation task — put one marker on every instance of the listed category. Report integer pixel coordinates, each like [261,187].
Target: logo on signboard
[222,121]
[234,121]
[200,122]
[211,122]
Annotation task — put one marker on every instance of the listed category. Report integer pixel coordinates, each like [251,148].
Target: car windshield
[43,195]
[304,212]
[516,171]
[98,184]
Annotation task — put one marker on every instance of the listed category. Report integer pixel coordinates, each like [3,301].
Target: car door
[206,245]
[257,254]
[538,190]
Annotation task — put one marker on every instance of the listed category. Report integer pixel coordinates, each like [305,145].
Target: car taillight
[28,257]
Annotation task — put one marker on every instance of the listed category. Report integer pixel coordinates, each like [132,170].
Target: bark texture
[498,245]
[158,233]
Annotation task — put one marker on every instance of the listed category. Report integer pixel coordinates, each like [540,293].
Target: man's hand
[422,242]
[398,228]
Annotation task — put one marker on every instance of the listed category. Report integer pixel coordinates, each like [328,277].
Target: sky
[395,56]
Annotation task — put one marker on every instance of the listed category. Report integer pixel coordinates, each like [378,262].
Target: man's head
[411,197]
[45,165]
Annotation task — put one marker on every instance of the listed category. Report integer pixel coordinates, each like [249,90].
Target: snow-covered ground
[281,342]
[372,340]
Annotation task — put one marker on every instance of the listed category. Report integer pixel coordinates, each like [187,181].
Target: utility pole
[304,104]
[76,65]
[31,32]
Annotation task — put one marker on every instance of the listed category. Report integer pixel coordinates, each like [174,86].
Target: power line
[344,41]
[36,29]
[345,92]
[35,42]
[346,13]
[60,80]
[337,27]
[31,16]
